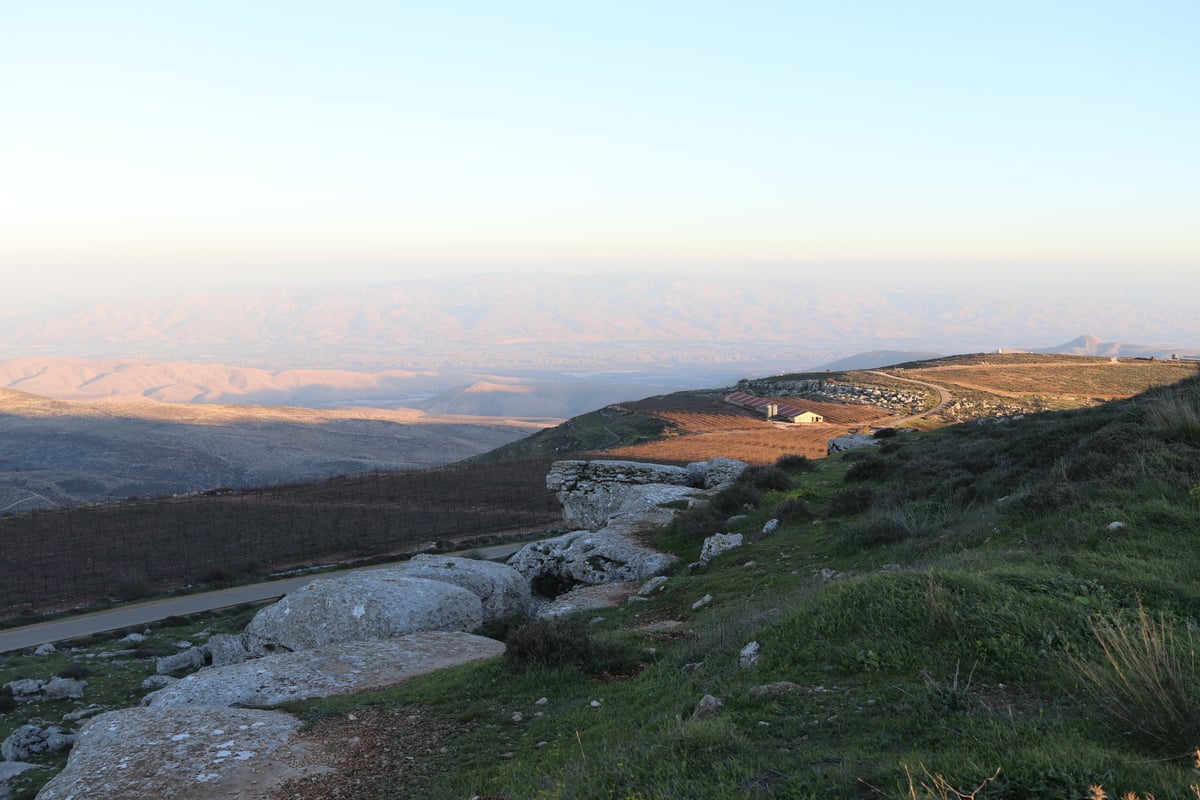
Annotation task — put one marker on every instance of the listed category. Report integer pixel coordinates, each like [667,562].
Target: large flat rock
[184,754]
[339,669]
[368,605]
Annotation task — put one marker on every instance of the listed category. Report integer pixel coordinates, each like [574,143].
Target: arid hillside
[59,453]
[695,425]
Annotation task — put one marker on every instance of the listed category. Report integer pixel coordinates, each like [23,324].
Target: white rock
[45,649]
[324,672]
[594,557]
[748,658]
[503,591]
[703,601]
[655,584]
[717,544]
[594,493]
[366,605]
[707,707]
[1116,525]
[145,754]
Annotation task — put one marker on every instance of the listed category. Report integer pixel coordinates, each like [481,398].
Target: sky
[162,147]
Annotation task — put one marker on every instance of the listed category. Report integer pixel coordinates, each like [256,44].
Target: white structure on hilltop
[773,410]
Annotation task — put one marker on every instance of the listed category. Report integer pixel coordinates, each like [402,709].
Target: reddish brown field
[704,427]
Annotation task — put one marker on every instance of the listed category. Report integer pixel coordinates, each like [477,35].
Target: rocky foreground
[367,630]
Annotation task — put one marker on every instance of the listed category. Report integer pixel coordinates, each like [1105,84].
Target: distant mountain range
[501,324]
[1089,345]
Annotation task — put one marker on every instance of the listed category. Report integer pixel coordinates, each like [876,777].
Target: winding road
[944,396]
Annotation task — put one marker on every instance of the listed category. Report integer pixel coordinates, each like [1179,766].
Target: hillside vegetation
[121,551]
[1000,608]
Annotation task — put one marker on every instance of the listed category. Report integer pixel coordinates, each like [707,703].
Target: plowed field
[703,427]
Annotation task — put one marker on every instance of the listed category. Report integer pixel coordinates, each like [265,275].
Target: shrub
[74,671]
[767,478]
[556,642]
[1148,680]
[794,509]
[734,499]
[699,521]
[1176,418]
[865,470]
[884,433]
[854,500]
[6,699]
[796,463]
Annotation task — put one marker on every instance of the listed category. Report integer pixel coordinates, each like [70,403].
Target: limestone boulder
[191,658]
[716,472]
[31,740]
[502,590]
[717,544]
[611,555]
[853,441]
[185,754]
[367,605]
[224,649]
[593,493]
[324,672]
[608,595]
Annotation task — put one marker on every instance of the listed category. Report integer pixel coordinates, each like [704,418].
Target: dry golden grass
[706,427]
[1079,378]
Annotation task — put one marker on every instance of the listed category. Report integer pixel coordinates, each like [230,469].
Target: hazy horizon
[154,151]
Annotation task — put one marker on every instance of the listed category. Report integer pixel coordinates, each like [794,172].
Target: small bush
[699,521]
[794,509]
[866,470]
[796,464]
[1148,680]
[734,499]
[884,433]
[767,478]
[6,699]
[556,642]
[848,502]
[882,529]
[74,671]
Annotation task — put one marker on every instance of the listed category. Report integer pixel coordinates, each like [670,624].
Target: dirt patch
[376,754]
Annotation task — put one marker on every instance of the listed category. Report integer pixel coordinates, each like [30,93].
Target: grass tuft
[1148,680]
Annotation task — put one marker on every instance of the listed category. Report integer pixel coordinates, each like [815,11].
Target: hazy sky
[163,146]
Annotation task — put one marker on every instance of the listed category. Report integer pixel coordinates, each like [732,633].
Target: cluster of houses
[773,410]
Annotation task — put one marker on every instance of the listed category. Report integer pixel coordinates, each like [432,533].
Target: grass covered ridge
[974,609]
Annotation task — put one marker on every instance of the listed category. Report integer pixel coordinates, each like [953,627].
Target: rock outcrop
[185,754]
[503,591]
[58,688]
[340,669]
[716,472]
[717,544]
[34,740]
[592,493]
[367,605]
[611,555]
[853,441]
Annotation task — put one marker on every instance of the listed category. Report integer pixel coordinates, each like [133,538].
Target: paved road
[155,610]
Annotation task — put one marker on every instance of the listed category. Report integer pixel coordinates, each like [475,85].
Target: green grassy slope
[926,609]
